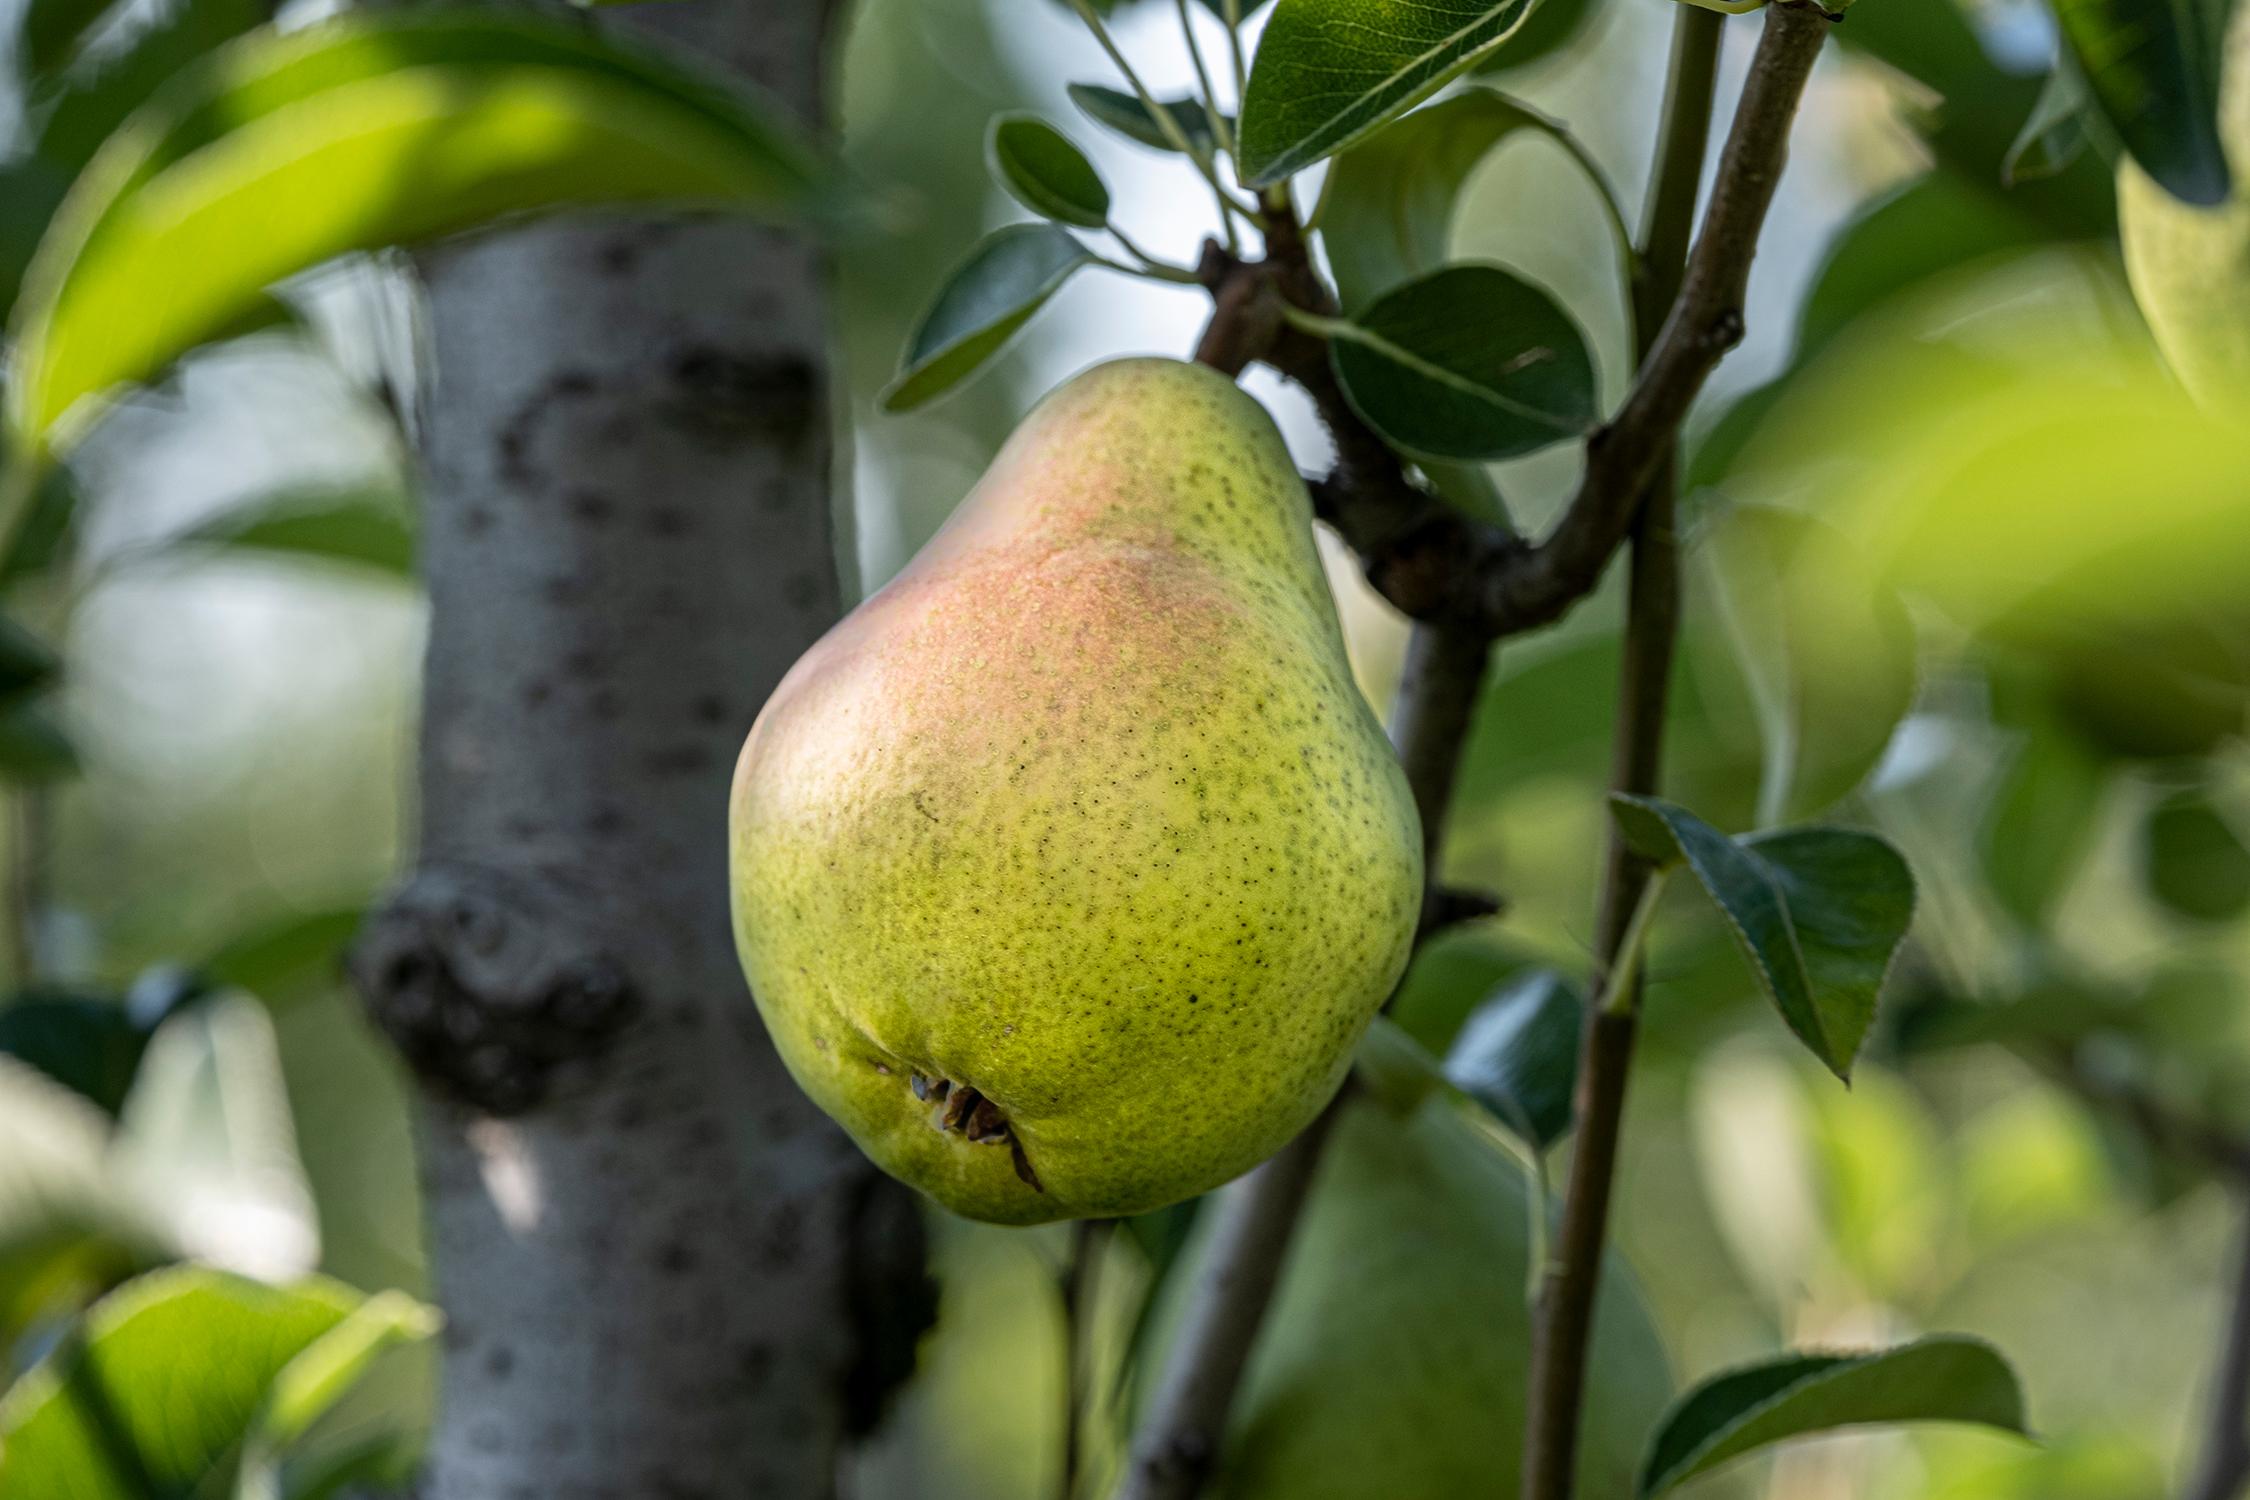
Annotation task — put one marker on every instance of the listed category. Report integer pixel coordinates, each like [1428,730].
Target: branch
[1180,1436]
[2223,1473]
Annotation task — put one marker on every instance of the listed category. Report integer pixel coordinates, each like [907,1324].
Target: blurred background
[236,722]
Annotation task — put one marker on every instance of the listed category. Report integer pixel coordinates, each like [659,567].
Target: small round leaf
[1469,362]
[1044,172]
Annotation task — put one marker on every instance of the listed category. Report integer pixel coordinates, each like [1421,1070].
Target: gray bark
[665,1274]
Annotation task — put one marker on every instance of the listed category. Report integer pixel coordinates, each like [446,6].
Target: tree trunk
[665,1274]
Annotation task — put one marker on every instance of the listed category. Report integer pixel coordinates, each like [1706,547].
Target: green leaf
[1009,276]
[2152,68]
[33,748]
[1113,109]
[26,663]
[2041,821]
[276,960]
[1518,1055]
[1394,1069]
[2194,858]
[1828,685]
[98,94]
[361,528]
[1044,172]
[1470,362]
[1941,1379]
[1818,912]
[332,1364]
[1552,26]
[1331,71]
[206,1141]
[88,1043]
[289,150]
[2055,134]
[50,30]
[1244,9]
[1386,212]
[160,1389]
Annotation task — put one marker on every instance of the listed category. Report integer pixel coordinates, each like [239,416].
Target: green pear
[1069,869]
[1395,1355]
[2190,266]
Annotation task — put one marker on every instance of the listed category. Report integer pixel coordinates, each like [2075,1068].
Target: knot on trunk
[488,983]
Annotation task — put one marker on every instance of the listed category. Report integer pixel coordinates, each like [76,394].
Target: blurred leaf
[2194,859]
[1125,114]
[1552,26]
[1244,9]
[1518,1055]
[33,748]
[1940,1379]
[1044,172]
[109,1415]
[325,1370]
[1007,278]
[45,533]
[1394,1069]
[1468,362]
[2055,133]
[2152,69]
[207,1142]
[1386,210]
[1822,731]
[98,94]
[290,150]
[26,663]
[1331,71]
[368,529]
[88,1043]
[2040,825]
[50,30]
[1818,912]
[298,951]
[2175,689]
[1162,1236]
[66,1233]
[1450,977]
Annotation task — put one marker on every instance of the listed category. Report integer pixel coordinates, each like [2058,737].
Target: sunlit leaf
[1330,71]
[1009,276]
[207,1141]
[1940,1379]
[1818,912]
[1518,1055]
[1470,362]
[370,130]
[1044,172]
[1387,207]
[113,1415]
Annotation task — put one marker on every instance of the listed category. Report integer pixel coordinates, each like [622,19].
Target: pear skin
[1069,868]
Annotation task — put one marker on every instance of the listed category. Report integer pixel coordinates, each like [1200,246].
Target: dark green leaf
[26,663]
[1471,363]
[1552,26]
[1941,1379]
[289,150]
[45,533]
[108,1416]
[282,957]
[368,529]
[1518,1055]
[1387,209]
[1008,277]
[88,1043]
[98,94]
[2056,132]
[1331,71]
[2152,69]
[2195,859]
[52,29]
[1244,9]
[33,747]
[2041,823]
[1124,113]
[1818,912]
[1044,172]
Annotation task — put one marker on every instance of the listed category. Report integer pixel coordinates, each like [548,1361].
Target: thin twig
[1081,1282]
[1211,111]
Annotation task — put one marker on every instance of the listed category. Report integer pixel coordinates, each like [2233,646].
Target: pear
[1069,868]
[1395,1354]
[2190,266]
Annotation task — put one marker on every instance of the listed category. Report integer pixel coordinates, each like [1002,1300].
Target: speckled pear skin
[1083,812]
